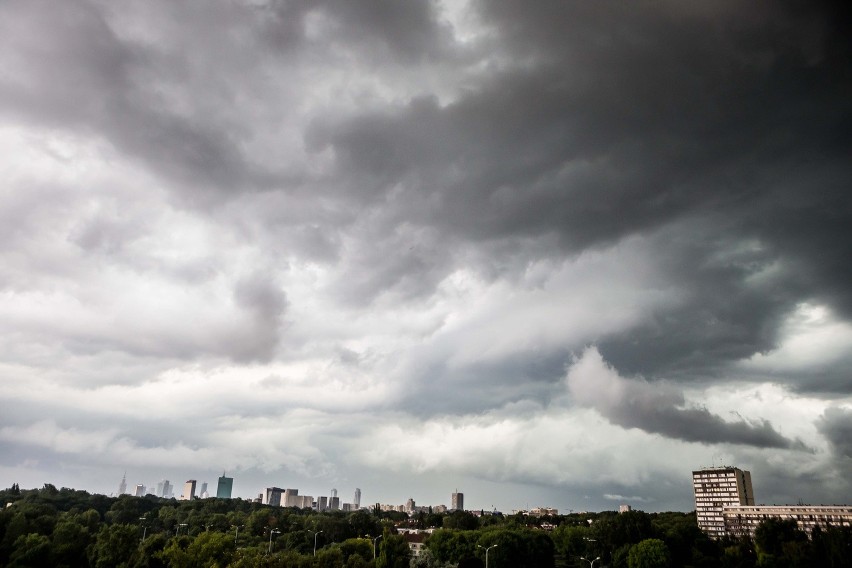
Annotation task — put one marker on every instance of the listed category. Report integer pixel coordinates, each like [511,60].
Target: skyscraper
[226,485]
[188,490]
[122,487]
[168,489]
[140,490]
[716,488]
[457,501]
[202,494]
[357,501]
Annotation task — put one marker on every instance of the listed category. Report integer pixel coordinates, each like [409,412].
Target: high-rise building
[225,487]
[334,503]
[168,489]
[139,491]
[357,501]
[322,504]
[457,501]
[203,493]
[291,498]
[188,490]
[409,506]
[718,487]
[272,496]
[122,487]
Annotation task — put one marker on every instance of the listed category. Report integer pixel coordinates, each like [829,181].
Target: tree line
[71,528]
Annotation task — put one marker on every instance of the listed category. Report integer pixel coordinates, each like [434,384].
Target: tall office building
[357,501]
[202,494]
[140,490]
[718,487]
[322,504]
[272,496]
[334,503]
[168,489]
[188,490]
[291,498]
[458,501]
[122,487]
[225,487]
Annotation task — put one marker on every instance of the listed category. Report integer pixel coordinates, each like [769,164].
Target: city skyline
[553,253]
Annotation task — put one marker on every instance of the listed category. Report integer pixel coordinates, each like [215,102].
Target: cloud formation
[492,244]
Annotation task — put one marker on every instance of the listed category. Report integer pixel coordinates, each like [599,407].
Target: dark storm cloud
[662,408]
[725,128]
[836,425]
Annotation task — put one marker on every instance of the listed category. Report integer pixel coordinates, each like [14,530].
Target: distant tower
[357,501]
[226,485]
[188,490]
[409,506]
[458,501]
[333,493]
[203,493]
[140,490]
[168,489]
[122,487]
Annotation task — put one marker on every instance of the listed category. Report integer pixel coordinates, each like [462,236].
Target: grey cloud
[662,408]
[836,425]
[267,303]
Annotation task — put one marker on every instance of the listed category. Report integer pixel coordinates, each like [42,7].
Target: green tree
[114,546]
[31,551]
[394,552]
[649,553]
[70,539]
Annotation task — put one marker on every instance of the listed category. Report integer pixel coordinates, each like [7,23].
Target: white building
[716,488]
[188,490]
[741,520]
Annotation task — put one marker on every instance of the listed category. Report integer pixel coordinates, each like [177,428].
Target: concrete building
[225,487]
[457,501]
[188,490]
[741,520]
[291,498]
[168,489]
[139,491]
[203,493]
[322,504]
[357,501]
[272,496]
[334,503]
[716,488]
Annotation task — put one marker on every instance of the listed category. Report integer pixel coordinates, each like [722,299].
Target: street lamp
[486,552]
[237,532]
[591,562]
[177,530]
[144,528]
[374,545]
[316,534]
[272,532]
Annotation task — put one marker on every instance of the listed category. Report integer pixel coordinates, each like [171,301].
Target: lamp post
[177,530]
[316,534]
[144,528]
[237,532]
[374,545]
[272,532]
[486,552]
[591,562]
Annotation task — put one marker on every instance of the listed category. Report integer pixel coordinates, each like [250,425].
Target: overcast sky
[544,253]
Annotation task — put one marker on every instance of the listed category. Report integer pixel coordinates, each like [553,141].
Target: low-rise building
[742,520]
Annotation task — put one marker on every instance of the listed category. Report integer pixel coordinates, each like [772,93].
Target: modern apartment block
[716,488]
[742,520]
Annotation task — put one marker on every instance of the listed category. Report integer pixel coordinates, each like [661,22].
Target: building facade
[741,520]
[457,501]
[225,487]
[716,488]
[188,490]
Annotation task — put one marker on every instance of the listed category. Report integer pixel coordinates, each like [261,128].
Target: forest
[70,528]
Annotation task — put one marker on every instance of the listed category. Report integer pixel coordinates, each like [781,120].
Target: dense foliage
[68,528]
